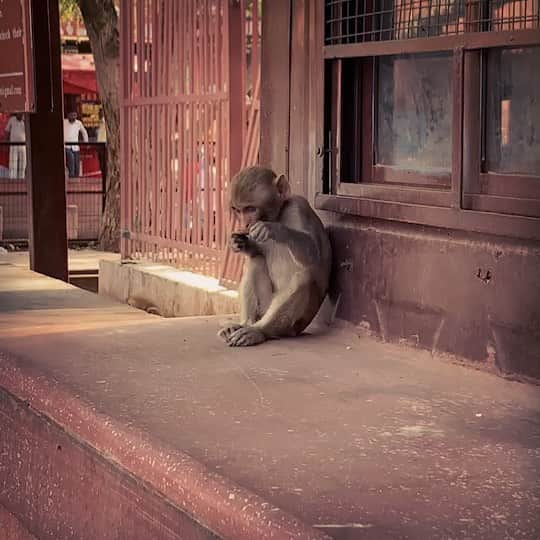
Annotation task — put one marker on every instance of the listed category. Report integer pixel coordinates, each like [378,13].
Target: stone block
[165,290]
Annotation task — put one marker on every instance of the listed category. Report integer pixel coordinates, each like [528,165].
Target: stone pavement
[324,434]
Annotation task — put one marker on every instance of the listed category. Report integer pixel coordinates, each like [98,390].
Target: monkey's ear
[283,187]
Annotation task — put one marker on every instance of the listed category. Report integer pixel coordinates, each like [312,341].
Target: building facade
[412,128]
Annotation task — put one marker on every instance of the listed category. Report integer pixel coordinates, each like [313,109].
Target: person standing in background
[101,130]
[72,128]
[102,148]
[15,133]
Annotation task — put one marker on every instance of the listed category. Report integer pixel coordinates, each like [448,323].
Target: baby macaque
[288,256]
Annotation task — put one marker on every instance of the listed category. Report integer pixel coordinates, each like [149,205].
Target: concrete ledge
[48,467]
[11,528]
[165,290]
[218,504]
[115,422]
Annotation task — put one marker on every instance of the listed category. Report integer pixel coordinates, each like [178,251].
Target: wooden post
[275,85]
[45,146]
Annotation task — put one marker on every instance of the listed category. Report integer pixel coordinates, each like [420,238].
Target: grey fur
[288,259]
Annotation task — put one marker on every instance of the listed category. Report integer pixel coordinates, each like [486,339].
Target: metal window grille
[180,127]
[359,21]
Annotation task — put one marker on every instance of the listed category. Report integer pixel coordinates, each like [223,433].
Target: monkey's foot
[226,332]
[245,336]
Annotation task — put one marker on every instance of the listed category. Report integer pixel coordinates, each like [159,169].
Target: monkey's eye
[235,210]
[250,209]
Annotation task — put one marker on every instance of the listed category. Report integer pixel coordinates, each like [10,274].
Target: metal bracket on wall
[321,151]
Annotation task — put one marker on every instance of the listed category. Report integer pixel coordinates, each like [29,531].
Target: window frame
[490,191]
[369,177]
[475,201]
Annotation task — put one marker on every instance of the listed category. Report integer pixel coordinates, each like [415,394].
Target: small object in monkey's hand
[239,242]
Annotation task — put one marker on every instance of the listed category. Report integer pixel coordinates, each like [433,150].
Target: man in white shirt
[72,128]
[15,133]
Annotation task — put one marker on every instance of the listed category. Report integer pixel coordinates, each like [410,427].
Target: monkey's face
[259,205]
[257,195]
[245,217]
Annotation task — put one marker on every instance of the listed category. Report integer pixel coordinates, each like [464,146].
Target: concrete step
[85,279]
[11,528]
[171,292]
[61,487]
[69,469]
[70,472]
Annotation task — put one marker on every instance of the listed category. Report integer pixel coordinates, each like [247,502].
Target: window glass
[414,112]
[513,111]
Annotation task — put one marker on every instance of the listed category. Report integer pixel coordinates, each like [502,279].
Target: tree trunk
[101,22]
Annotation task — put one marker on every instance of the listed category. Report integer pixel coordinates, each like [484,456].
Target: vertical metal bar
[160,170]
[181,123]
[212,153]
[144,49]
[127,174]
[213,138]
[369,76]
[176,135]
[152,39]
[186,71]
[166,110]
[157,52]
[195,124]
[198,130]
[202,138]
[255,42]
[184,165]
[144,180]
[235,34]
[135,171]
[142,195]
[191,111]
[219,121]
[125,24]
[457,130]
[207,141]
[129,40]
[335,148]
[155,125]
[225,112]
[472,122]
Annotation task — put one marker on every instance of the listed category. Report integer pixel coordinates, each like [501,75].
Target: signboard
[16,81]
[90,114]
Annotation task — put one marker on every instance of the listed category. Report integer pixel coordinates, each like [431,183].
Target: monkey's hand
[241,243]
[261,231]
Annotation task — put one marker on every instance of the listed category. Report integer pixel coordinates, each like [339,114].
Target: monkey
[288,258]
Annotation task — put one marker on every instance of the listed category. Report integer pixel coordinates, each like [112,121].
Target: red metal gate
[187,68]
